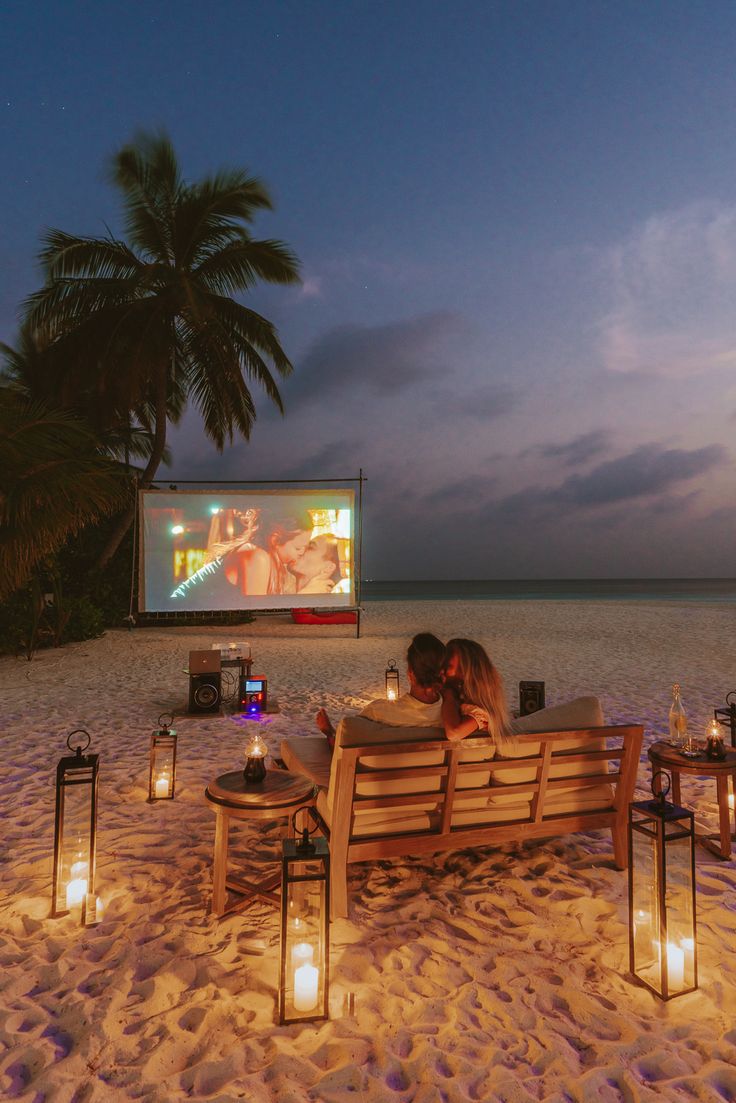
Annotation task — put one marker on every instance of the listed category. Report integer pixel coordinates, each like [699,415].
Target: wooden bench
[399,792]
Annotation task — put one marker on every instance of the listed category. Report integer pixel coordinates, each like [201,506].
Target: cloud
[673,287]
[376,360]
[573,452]
[482,404]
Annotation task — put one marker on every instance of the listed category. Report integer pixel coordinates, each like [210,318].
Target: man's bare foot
[324,724]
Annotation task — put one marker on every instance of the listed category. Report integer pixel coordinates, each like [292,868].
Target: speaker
[531,697]
[205,681]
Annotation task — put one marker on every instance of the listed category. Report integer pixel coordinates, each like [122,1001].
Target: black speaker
[205,692]
[531,697]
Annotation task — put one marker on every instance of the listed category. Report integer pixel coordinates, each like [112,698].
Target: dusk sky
[517,229]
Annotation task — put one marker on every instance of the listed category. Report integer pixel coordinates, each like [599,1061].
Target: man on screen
[317,570]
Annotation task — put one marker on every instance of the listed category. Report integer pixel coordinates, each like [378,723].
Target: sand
[478,975]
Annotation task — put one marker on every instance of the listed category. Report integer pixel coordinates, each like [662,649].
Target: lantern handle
[392,664]
[163,723]
[79,748]
[305,845]
[659,790]
[731,697]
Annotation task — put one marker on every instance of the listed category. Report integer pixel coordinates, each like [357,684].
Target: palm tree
[150,323]
[54,479]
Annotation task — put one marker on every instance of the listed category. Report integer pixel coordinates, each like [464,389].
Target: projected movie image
[255,549]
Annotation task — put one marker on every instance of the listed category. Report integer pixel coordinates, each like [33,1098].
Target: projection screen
[211,550]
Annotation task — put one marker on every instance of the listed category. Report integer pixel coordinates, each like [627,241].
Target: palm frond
[53,481]
[240,265]
[146,172]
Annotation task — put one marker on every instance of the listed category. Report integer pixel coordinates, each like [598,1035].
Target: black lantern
[162,760]
[392,681]
[75,831]
[304,985]
[662,931]
[726,717]
[255,760]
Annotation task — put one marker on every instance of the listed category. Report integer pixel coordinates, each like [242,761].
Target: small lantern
[304,985]
[726,717]
[255,760]
[392,681]
[162,769]
[662,932]
[75,829]
[714,747]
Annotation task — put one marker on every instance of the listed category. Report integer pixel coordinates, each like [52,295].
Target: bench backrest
[408,779]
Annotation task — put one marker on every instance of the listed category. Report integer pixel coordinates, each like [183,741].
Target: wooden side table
[230,798]
[664,757]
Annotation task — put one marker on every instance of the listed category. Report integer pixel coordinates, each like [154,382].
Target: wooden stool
[230,797]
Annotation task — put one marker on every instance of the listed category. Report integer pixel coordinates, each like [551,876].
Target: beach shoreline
[494,974]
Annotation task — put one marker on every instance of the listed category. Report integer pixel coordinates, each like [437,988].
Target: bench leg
[620,836]
[338,886]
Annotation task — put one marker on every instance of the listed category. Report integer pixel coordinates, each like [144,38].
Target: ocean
[714,590]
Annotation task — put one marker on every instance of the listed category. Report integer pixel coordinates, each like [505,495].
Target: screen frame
[274,488]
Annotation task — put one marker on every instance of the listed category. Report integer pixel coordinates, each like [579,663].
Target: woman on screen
[268,568]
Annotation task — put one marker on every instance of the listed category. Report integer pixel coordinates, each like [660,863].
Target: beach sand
[478,975]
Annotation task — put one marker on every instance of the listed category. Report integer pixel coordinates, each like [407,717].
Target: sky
[516,223]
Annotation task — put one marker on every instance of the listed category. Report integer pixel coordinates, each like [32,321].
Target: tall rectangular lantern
[304,984]
[162,760]
[662,927]
[75,828]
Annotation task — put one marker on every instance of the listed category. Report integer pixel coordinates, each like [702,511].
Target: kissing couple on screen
[274,553]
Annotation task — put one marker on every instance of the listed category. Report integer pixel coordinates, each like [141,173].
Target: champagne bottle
[678,719]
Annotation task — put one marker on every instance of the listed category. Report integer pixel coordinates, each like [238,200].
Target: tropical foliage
[137,328]
[54,479]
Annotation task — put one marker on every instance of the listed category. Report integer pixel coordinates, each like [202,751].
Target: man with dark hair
[421,706]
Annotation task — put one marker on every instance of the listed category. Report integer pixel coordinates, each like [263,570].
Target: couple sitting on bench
[454,686]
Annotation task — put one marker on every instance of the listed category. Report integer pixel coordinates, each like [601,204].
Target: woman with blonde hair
[473,698]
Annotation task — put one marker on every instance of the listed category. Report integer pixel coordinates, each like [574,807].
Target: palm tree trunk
[146,478]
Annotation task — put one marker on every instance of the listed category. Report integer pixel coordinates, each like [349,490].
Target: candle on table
[306,987]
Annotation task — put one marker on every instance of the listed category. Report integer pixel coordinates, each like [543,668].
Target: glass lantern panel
[73,882]
[304,949]
[162,769]
[679,915]
[645,910]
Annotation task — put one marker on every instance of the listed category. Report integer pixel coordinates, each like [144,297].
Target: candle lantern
[392,681]
[726,717]
[662,931]
[305,917]
[714,747]
[162,759]
[75,829]
[255,760]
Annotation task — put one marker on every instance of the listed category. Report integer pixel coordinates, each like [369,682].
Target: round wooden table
[664,757]
[231,798]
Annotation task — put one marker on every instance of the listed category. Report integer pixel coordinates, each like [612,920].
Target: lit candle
[306,987]
[76,891]
[162,786]
[391,693]
[95,909]
[675,966]
[78,870]
[301,954]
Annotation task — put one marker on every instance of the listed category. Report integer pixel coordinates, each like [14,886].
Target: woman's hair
[425,657]
[276,529]
[482,686]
